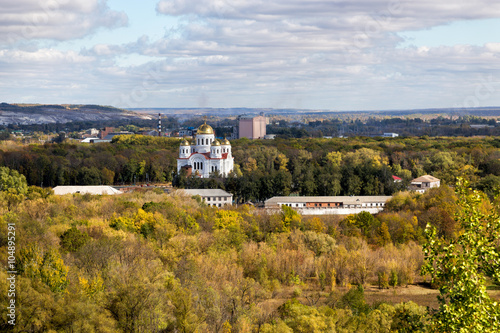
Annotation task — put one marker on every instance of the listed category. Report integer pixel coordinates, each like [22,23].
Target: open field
[417,293]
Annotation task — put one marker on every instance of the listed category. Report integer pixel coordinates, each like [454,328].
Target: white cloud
[47,57]
[274,53]
[393,15]
[493,47]
[25,20]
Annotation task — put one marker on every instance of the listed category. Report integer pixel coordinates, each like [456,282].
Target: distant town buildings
[212,197]
[185,132]
[105,135]
[252,127]
[94,132]
[330,205]
[481,126]
[424,183]
[90,140]
[150,133]
[104,132]
[205,155]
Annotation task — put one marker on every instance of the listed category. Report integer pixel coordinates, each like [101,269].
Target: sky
[304,54]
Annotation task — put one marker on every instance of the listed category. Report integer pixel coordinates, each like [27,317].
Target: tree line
[266,168]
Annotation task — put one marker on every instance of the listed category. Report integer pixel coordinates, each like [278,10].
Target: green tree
[73,239]
[461,265]
[409,318]
[383,237]
[290,219]
[303,318]
[11,179]
[354,299]
[135,295]
[46,267]
[184,310]
[393,278]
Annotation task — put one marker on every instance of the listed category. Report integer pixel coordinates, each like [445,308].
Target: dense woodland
[266,168]
[154,262]
[148,261]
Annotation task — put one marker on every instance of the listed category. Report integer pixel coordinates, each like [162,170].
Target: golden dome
[216,143]
[185,143]
[225,142]
[205,129]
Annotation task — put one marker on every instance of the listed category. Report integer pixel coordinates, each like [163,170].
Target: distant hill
[33,114]
[227,112]
[30,114]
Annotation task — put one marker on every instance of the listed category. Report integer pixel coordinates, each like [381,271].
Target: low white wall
[333,211]
[337,211]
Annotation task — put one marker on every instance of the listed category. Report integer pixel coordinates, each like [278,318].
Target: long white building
[335,205]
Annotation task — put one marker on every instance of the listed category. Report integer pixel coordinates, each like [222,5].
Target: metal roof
[207,192]
[96,190]
[426,178]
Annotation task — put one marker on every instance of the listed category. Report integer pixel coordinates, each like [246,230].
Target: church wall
[203,144]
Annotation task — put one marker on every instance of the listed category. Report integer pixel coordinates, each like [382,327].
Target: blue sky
[315,54]
[473,32]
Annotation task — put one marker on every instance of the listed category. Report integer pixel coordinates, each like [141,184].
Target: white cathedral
[206,154]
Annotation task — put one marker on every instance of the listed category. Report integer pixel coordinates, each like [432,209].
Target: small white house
[212,197]
[424,183]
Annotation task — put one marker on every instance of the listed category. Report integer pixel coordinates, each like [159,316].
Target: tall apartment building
[252,127]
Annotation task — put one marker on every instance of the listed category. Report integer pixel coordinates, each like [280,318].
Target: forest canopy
[156,262]
[267,168]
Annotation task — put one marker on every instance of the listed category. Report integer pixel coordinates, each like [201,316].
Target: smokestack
[159,124]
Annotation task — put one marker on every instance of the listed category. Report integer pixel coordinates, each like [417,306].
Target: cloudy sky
[315,54]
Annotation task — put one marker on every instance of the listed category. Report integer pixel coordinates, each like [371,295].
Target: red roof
[207,156]
[396,178]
